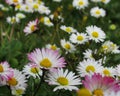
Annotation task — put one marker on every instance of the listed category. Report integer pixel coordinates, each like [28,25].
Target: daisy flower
[80,4]
[35,6]
[108,71]
[88,54]
[79,38]
[20,15]
[15,2]
[43,10]
[95,0]
[99,85]
[105,1]
[67,29]
[32,70]
[52,46]
[67,45]
[26,8]
[18,80]
[57,0]
[95,33]
[97,12]
[46,58]
[31,27]
[12,20]
[89,66]
[109,46]
[17,91]
[47,21]
[63,80]
[5,71]
[83,92]
[117,70]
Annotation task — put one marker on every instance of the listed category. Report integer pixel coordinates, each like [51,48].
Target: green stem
[40,83]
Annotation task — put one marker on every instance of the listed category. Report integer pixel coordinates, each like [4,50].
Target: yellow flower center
[46,63]
[34,70]
[95,34]
[106,72]
[98,92]
[35,6]
[81,3]
[15,1]
[32,28]
[90,68]
[27,8]
[42,19]
[19,91]
[53,47]
[62,81]
[1,68]
[67,46]
[97,12]
[18,6]
[12,81]
[105,47]
[113,46]
[80,38]
[83,92]
[68,29]
[103,1]
[13,20]
[48,21]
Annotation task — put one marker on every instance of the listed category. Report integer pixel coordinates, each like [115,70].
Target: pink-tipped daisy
[31,27]
[46,58]
[99,85]
[5,71]
[18,80]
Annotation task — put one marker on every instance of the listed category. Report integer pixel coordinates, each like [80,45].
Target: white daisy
[95,0]
[47,22]
[67,45]
[79,38]
[68,29]
[105,1]
[26,8]
[97,12]
[20,15]
[89,66]
[32,70]
[108,71]
[63,80]
[17,91]
[109,46]
[95,33]
[88,54]
[80,4]
[57,0]
[52,46]
[12,20]
[43,10]
[35,6]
